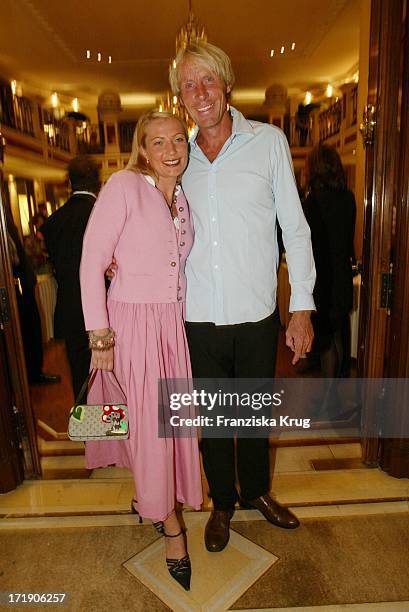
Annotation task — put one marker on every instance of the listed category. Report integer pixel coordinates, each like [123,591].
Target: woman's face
[166,147]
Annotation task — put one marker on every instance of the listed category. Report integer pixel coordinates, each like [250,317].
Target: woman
[330,211]
[141,218]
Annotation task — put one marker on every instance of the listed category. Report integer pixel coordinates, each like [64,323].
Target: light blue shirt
[232,268]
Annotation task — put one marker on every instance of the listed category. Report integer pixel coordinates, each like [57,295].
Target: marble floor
[295,483]
[103,500]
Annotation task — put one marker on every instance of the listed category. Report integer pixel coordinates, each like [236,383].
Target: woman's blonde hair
[137,161]
[209,55]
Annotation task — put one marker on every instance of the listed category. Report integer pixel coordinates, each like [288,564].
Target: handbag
[108,421]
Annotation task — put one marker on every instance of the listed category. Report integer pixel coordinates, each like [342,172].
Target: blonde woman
[141,219]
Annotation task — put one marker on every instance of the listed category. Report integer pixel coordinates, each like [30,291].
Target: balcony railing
[15,111]
[126,132]
[56,130]
[330,121]
[90,139]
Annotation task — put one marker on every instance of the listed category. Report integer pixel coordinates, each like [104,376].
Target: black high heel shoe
[180,569]
[135,511]
[160,527]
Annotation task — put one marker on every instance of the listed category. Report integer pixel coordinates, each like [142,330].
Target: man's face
[203,93]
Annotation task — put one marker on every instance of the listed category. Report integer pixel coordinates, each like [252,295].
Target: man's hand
[110,271]
[299,334]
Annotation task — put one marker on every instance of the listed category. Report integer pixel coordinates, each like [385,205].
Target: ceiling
[43,43]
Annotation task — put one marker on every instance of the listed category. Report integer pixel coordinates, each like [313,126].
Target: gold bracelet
[101,343]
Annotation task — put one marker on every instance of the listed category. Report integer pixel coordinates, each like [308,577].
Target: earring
[147,160]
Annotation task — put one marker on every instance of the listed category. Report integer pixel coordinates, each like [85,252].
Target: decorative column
[275,103]
[109,110]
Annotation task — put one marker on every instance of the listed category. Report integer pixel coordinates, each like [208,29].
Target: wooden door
[383,348]
[11,464]
[18,447]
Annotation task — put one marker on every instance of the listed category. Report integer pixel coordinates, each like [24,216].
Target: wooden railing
[330,121]
[90,139]
[56,130]
[15,111]
[126,131]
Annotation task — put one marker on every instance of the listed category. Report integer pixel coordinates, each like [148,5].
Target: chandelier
[191,32]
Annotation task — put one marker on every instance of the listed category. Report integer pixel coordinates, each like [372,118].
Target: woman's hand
[103,360]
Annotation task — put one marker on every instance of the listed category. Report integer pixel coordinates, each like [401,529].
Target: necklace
[172,204]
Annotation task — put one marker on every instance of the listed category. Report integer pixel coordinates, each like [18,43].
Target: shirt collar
[152,182]
[78,192]
[240,126]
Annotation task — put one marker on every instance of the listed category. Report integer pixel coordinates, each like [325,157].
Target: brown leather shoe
[274,512]
[217,530]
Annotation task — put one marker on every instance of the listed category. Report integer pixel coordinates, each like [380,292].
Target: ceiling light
[132,99]
[88,54]
[54,100]
[282,50]
[329,92]
[109,59]
[308,97]
[13,87]
[99,57]
[75,105]
[271,52]
[293,46]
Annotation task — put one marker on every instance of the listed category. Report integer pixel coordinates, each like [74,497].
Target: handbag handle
[88,381]
[88,384]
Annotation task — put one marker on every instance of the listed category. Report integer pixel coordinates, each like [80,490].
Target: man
[63,233]
[239,180]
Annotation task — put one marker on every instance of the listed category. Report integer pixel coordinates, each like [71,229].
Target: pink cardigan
[132,222]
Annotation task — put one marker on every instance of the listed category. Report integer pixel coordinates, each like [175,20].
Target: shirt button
[212,196]
[181,209]
[182,244]
[215,243]
[183,232]
[179,288]
[173,264]
[213,218]
[179,299]
[182,220]
[216,267]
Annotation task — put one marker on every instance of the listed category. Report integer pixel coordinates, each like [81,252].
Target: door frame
[381,342]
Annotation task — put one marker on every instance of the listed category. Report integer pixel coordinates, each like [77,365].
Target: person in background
[42,210]
[63,233]
[35,247]
[330,211]
[142,219]
[30,322]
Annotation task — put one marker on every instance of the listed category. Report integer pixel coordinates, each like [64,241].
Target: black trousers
[247,350]
[79,358]
[30,323]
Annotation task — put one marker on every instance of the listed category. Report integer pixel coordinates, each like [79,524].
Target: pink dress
[131,221]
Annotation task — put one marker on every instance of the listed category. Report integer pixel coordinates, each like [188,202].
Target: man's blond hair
[209,55]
